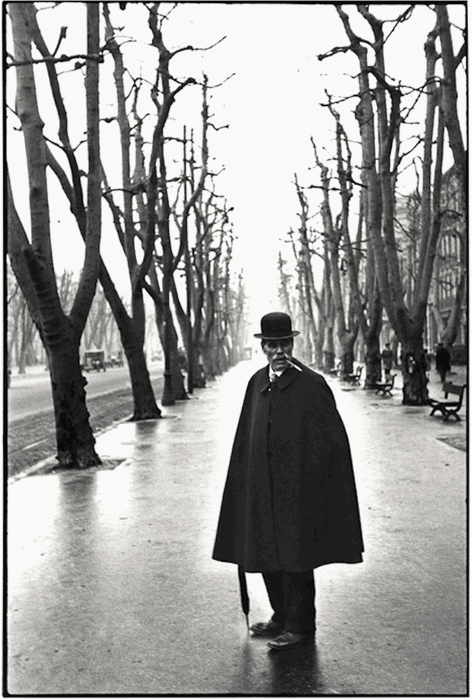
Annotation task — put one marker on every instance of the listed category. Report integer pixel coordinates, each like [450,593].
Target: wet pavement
[112,589]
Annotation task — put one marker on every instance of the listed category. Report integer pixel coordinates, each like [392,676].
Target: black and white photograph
[235,374]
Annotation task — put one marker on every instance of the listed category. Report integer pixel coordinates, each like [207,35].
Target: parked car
[115,360]
[94,360]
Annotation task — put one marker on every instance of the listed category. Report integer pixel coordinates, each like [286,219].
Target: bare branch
[53,59]
[333,52]
[462,54]
[217,85]
[62,36]
[193,48]
[218,128]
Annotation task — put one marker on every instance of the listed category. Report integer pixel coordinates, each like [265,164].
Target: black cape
[290,501]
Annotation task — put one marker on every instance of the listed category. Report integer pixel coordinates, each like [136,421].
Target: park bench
[335,371]
[385,387]
[449,408]
[355,378]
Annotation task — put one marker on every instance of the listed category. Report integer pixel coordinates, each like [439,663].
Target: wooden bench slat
[452,389]
[386,387]
[356,377]
[449,408]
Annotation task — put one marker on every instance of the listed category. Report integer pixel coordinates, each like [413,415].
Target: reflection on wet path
[112,589]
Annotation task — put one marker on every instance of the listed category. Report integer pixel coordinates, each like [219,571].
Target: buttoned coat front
[289,502]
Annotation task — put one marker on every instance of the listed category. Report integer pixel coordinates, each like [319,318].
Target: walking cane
[244,593]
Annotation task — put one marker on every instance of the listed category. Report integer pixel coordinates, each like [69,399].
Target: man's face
[277,352]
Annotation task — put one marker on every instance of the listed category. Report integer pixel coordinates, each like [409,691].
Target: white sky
[272,106]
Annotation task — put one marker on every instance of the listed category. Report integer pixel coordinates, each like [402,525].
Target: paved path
[112,589]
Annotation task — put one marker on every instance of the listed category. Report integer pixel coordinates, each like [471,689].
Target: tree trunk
[145,407]
[75,440]
[319,342]
[329,356]
[347,354]
[450,334]
[33,264]
[199,379]
[307,285]
[208,363]
[449,98]
[373,361]
[178,388]
[373,364]
[22,343]
[415,381]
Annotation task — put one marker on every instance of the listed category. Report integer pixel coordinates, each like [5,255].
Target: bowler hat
[276,326]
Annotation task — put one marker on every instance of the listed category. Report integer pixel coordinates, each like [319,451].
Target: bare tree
[338,244]
[306,282]
[449,95]
[182,222]
[284,287]
[144,401]
[365,308]
[32,261]
[449,109]
[148,190]
[151,194]
[300,297]
[380,116]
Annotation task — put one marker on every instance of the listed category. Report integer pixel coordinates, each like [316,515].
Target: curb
[43,463]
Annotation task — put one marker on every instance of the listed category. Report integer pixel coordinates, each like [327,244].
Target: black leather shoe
[288,640]
[266,629]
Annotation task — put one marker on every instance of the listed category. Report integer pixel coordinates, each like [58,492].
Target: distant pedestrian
[289,503]
[443,361]
[427,359]
[182,359]
[387,360]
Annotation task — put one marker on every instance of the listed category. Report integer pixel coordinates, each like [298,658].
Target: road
[30,394]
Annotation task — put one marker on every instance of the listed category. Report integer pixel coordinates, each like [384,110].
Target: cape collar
[285,379]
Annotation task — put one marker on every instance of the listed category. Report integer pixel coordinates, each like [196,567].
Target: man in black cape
[289,503]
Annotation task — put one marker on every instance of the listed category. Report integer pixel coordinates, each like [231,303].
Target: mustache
[287,359]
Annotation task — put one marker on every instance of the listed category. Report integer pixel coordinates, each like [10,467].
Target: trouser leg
[292,597]
[299,597]
[275,591]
